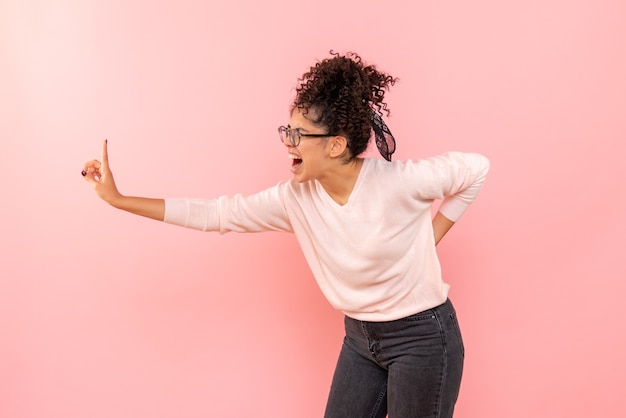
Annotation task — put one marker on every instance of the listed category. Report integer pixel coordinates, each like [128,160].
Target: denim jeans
[407,368]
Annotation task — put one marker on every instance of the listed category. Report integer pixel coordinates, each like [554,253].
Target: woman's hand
[99,175]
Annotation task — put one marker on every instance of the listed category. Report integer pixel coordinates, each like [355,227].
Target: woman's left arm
[460,177]
[466,175]
[441,225]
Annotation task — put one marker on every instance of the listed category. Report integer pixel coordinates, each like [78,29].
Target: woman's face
[309,158]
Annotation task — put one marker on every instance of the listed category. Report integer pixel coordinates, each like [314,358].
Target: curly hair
[343,94]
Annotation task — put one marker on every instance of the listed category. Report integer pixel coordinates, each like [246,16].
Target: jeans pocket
[457,332]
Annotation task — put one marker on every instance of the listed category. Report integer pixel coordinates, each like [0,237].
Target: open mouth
[295,161]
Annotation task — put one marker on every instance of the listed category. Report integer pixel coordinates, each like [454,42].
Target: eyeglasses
[295,135]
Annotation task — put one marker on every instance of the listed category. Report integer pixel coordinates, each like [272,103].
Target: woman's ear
[338,146]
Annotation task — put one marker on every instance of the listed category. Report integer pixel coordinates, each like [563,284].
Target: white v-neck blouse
[374,257]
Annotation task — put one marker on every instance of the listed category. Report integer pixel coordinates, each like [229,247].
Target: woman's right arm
[99,175]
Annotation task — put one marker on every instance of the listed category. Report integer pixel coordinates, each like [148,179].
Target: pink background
[103,314]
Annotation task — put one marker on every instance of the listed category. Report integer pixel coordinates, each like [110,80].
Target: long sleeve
[454,177]
[468,179]
[263,211]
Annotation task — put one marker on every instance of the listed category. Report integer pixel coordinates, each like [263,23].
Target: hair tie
[385,141]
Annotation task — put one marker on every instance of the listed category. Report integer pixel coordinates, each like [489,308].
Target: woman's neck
[339,181]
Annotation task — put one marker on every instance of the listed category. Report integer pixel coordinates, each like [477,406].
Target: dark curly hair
[342,93]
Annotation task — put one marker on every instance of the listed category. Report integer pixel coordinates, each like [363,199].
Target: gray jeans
[408,368]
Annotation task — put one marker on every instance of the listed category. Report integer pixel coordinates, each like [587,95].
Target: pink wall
[106,315]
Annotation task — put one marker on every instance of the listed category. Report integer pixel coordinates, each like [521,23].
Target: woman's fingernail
[84,173]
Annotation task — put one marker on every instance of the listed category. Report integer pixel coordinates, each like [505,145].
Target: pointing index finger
[105,154]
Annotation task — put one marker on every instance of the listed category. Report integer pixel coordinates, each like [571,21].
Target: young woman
[365,228]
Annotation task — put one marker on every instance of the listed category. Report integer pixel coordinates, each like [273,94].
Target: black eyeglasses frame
[294,139]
